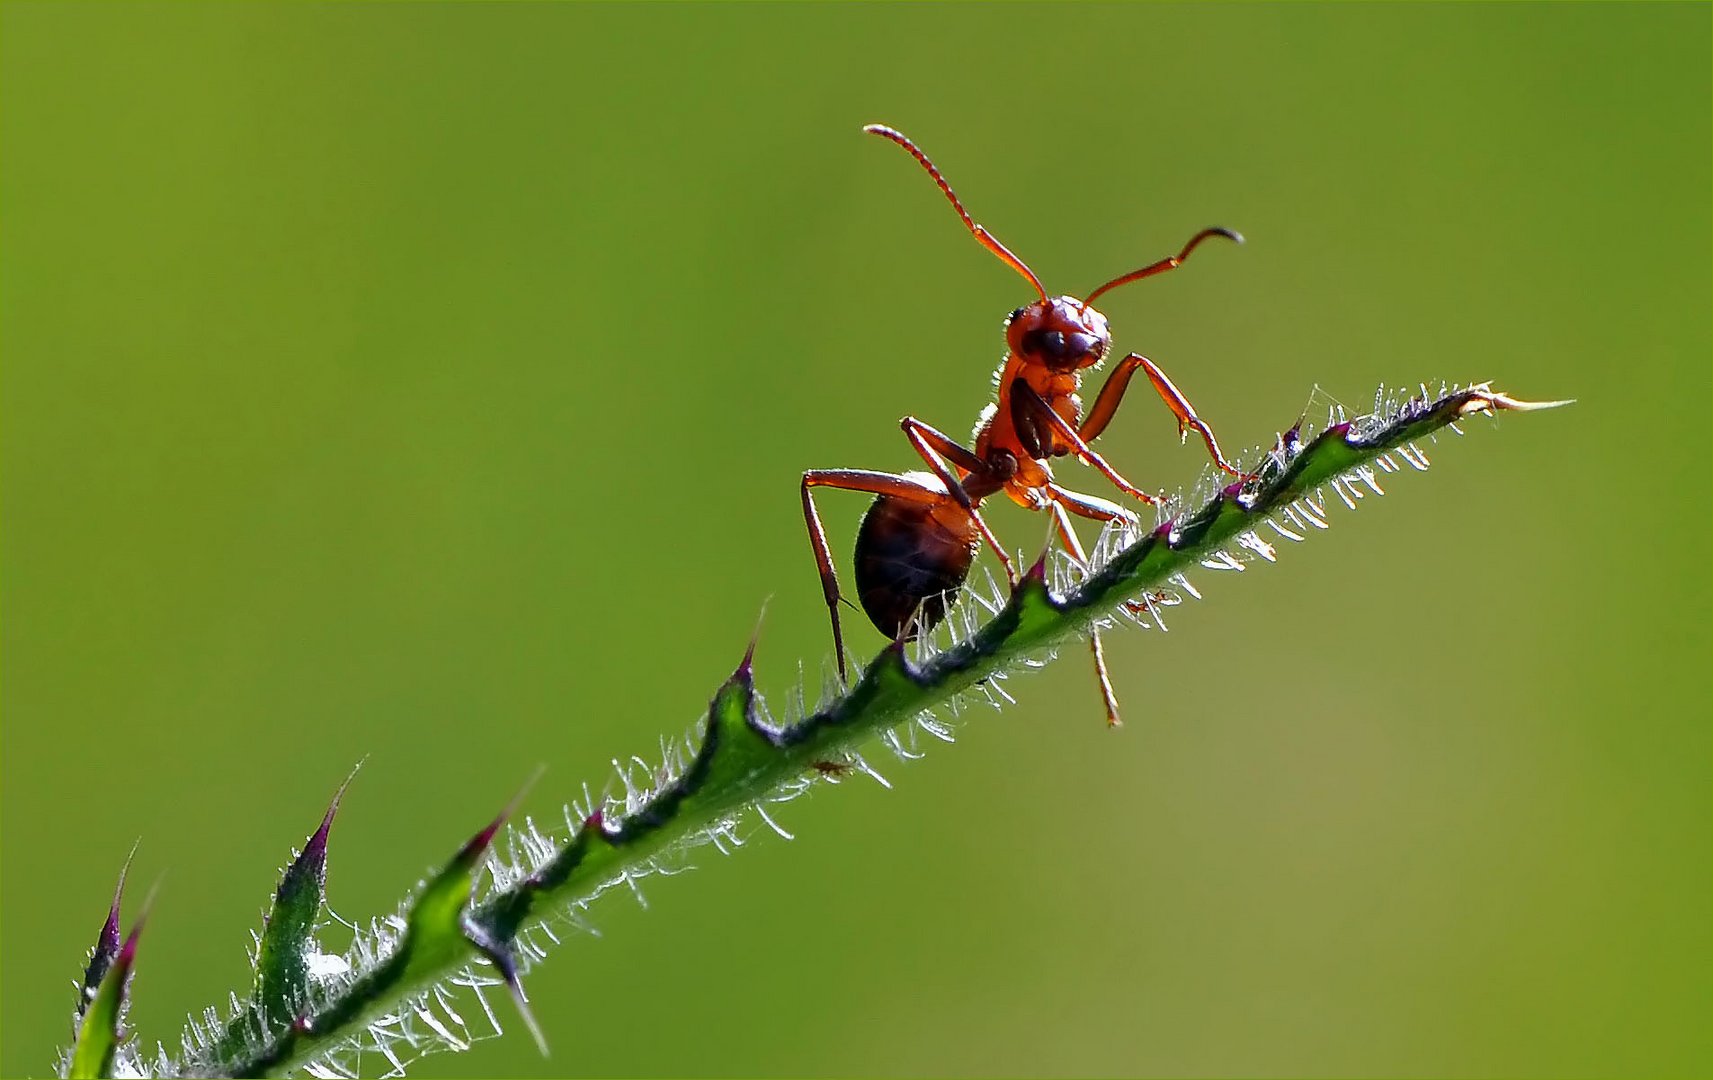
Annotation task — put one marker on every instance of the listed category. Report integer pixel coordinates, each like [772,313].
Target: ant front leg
[1025,399]
[931,444]
[1113,392]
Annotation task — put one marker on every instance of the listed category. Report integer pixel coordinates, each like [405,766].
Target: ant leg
[1097,509]
[1108,699]
[1090,506]
[1025,395]
[876,483]
[931,443]
[1112,393]
[918,433]
[1094,509]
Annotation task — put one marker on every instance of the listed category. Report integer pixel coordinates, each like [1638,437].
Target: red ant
[917,541]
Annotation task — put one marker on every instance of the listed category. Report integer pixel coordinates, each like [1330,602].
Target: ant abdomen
[911,558]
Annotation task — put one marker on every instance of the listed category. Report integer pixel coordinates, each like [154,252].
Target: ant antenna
[982,236]
[1163,265]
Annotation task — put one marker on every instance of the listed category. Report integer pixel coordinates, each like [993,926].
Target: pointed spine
[282,968]
[99,1036]
[106,942]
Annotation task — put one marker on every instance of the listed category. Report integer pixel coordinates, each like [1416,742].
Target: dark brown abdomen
[908,554]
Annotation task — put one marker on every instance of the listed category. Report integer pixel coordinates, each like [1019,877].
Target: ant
[918,540]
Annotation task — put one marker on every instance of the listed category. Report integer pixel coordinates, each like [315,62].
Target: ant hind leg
[864,480]
[936,447]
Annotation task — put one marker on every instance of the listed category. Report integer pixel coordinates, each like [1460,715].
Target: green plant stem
[742,761]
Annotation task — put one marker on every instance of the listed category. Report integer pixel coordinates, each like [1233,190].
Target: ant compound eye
[1048,342]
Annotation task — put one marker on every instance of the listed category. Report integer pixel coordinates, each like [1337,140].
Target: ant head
[1062,333]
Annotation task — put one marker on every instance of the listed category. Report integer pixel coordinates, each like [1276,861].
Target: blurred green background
[432,384]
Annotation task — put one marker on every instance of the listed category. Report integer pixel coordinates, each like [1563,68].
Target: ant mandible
[917,541]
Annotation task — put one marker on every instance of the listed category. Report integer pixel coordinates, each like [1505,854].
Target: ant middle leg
[1091,507]
[1064,503]
[1097,509]
[1106,404]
